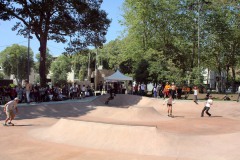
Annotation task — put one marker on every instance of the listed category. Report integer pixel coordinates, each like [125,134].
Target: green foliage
[1,75]
[60,69]
[14,60]
[167,40]
[49,59]
[83,21]
[80,62]
[82,73]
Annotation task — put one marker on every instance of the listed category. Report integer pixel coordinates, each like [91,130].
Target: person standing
[160,90]
[83,91]
[173,90]
[169,102]
[19,91]
[238,93]
[195,94]
[28,88]
[143,87]
[9,110]
[207,106]
[166,90]
[155,91]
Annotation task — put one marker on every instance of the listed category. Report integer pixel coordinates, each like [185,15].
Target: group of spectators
[36,93]
[162,90]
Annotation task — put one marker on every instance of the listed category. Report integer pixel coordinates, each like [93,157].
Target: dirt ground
[129,127]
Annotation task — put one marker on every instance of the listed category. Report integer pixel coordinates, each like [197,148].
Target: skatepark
[129,127]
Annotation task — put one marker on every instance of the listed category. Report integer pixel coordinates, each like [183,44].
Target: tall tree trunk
[233,78]
[42,67]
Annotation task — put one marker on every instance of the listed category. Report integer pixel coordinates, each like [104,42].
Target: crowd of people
[163,90]
[35,93]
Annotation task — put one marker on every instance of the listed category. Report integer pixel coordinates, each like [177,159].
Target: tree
[83,21]
[60,69]
[1,75]
[14,61]
[49,59]
[80,62]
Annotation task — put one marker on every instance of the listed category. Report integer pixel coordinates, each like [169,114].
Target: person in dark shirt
[112,94]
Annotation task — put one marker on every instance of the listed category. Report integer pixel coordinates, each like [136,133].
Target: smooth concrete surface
[129,127]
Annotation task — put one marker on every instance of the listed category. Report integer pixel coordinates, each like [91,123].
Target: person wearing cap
[9,110]
[207,106]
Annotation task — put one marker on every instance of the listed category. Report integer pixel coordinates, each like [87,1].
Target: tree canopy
[14,60]
[176,40]
[82,20]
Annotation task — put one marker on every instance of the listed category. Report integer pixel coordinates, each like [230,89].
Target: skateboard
[11,124]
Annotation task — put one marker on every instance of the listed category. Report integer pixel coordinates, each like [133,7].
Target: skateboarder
[207,106]
[9,110]
[112,94]
[170,102]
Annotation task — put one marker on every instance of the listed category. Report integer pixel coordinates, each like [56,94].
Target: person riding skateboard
[112,94]
[207,106]
[9,110]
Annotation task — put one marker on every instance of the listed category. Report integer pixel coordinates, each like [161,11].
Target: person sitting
[226,98]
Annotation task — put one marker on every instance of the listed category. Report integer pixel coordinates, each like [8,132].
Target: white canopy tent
[117,76]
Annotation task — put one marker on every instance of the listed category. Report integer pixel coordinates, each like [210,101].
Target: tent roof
[118,76]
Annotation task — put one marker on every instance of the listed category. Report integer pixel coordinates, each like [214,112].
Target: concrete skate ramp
[124,138]
[144,114]
[130,116]
[124,100]
[143,140]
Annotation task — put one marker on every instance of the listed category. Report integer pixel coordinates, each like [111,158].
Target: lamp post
[89,59]
[28,65]
[95,79]
[199,9]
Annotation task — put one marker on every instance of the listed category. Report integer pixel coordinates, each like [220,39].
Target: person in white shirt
[9,110]
[238,93]
[207,106]
[83,91]
[195,94]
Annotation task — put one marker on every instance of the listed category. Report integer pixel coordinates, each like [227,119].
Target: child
[207,106]
[195,93]
[8,109]
[169,105]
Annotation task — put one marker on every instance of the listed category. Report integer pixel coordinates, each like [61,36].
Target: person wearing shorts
[9,110]
[169,102]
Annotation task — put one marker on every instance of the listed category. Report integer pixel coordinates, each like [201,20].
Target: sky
[9,37]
